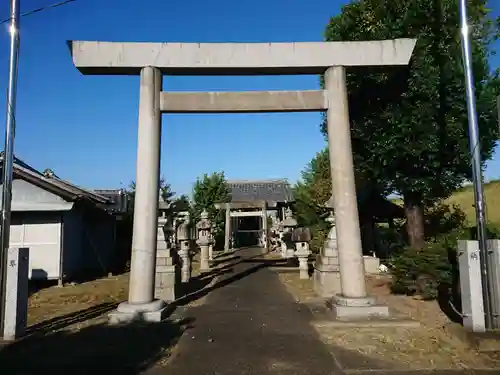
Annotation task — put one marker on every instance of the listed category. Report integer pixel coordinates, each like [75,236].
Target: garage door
[42,235]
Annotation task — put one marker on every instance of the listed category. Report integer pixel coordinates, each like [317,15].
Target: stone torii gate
[153,60]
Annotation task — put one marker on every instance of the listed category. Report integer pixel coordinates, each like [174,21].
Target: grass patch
[55,302]
[426,347]
[464,197]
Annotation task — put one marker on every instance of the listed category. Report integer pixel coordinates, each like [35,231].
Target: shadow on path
[201,292]
[250,324]
[128,350]
[63,321]
[199,286]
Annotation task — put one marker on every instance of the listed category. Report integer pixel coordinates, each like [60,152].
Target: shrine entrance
[255,206]
[248,231]
[153,60]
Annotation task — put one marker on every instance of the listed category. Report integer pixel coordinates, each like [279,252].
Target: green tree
[409,126]
[315,189]
[207,191]
[311,193]
[166,194]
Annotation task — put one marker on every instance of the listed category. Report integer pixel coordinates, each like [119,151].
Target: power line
[33,11]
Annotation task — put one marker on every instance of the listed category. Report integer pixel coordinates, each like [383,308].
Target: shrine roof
[278,191]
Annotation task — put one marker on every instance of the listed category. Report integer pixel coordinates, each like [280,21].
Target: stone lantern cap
[204,223]
[184,230]
[289,221]
[331,216]
[301,235]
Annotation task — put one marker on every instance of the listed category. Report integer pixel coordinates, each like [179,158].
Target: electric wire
[37,10]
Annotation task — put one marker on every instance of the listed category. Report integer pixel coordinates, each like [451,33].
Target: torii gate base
[152,60]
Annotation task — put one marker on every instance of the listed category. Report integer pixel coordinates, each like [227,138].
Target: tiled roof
[119,198]
[54,184]
[260,190]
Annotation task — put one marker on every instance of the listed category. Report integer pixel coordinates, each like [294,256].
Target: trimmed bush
[422,271]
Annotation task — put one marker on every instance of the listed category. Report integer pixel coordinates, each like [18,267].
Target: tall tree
[311,193]
[208,190]
[315,189]
[166,193]
[409,126]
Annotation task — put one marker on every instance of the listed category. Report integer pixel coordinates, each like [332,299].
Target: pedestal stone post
[204,228]
[282,244]
[141,303]
[16,298]
[288,225]
[204,256]
[227,229]
[184,254]
[301,238]
[184,237]
[264,228]
[211,248]
[353,302]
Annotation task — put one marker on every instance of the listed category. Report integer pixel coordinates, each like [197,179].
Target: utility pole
[8,158]
[475,149]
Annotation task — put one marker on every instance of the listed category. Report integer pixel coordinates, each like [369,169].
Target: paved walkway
[253,326]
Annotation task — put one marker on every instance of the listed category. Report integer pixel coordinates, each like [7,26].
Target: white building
[70,231]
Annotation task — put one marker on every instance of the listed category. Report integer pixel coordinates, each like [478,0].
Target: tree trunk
[414,212]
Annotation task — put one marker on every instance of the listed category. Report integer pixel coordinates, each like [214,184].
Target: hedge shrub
[422,271]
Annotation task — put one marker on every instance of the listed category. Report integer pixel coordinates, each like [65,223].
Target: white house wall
[28,197]
[49,226]
[41,233]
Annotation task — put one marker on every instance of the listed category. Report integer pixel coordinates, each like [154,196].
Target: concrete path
[251,325]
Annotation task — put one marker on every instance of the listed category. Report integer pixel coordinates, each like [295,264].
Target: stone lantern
[287,225]
[168,230]
[184,241]
[331,241]
[301,238]
[204,228]
[330,247]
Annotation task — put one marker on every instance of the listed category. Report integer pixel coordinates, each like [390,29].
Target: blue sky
[85,127]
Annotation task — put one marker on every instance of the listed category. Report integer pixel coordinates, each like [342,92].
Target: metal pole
[8,159]
[475,149]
